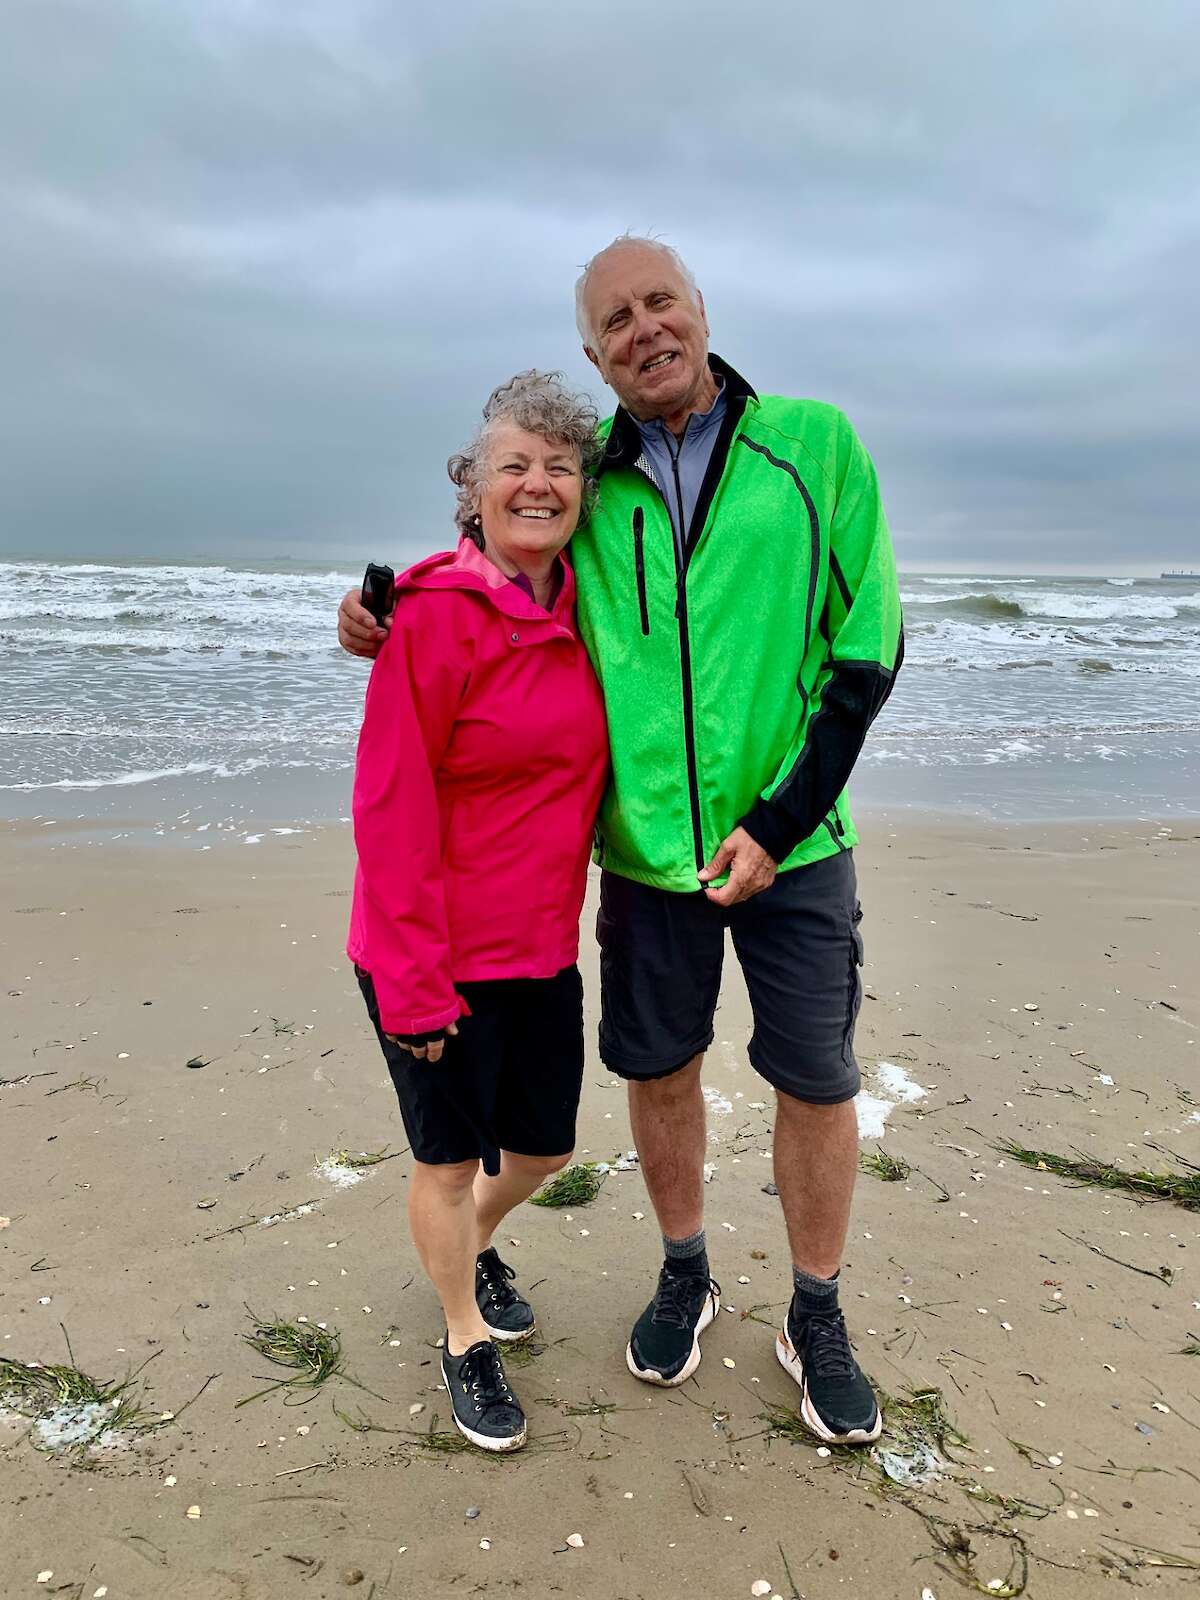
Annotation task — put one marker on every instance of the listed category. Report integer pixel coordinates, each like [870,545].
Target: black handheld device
[377,586]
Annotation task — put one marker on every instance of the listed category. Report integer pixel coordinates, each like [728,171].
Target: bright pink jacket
[481,762]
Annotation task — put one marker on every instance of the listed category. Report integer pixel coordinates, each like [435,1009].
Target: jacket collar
[468,568]
[624,444]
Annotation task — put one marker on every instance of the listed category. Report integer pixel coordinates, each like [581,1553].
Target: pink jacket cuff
[429,1022]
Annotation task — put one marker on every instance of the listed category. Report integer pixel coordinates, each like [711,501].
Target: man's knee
[680,1083]
[813,1113]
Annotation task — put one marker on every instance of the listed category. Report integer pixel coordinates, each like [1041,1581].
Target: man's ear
[593,358]
[703,312]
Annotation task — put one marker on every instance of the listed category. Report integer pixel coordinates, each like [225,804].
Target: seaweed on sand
[577,1185]
[887,1168]
[913,1424]
[313,1354]
[38,1392]
[355,1163]
[69,1410]
[1182,1188]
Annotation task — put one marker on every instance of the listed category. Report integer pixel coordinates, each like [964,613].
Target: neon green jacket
[743,665]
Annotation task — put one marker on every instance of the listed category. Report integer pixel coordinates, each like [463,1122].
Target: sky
[265,261]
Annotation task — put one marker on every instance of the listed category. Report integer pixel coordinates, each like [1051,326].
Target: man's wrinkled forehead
[625,276]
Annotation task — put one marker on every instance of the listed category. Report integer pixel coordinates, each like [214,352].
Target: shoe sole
[712,1305]
[789,1360]
[509,1335]
[483,1441]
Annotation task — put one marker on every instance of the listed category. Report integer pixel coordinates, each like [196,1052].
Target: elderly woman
[481,762]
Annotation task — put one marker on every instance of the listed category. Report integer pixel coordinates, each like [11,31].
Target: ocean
[210,701]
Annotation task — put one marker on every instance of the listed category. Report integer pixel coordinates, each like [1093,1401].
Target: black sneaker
[665,1344]
[837,1402]
[508,1315]
[485,1409]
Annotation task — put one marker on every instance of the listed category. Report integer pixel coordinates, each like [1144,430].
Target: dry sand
[1059,1366]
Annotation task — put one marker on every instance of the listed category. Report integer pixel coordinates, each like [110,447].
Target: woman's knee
[540,1166]
[448,1177]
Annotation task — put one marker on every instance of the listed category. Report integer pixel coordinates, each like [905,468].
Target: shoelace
[496,1275]
[827,1346]
[483,1376]
[678,1297]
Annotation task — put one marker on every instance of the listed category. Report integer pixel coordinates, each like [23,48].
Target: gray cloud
[266,261]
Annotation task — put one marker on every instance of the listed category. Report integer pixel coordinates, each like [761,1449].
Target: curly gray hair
[626,241]
[540,403]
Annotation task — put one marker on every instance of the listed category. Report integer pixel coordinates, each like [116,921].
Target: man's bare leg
[667,1118]
[816,1163]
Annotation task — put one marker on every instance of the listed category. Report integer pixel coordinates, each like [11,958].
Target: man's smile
[656,363]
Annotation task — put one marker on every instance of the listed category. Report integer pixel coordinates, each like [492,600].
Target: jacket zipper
[639,522]
[828,826]
[685,663]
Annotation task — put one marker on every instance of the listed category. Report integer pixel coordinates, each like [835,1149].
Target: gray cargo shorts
[800,950]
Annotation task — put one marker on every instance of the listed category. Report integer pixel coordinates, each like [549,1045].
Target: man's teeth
[659,361]
[542,512]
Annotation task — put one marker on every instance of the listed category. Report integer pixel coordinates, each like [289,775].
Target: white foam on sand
[69,1425]
[287,1216]
[342,1177]
[717,1102]
[897,1084]
[619,1163]
[894,1087]
[911,1468]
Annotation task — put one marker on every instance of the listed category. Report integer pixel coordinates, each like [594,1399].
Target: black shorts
[508,1080]
[800,951]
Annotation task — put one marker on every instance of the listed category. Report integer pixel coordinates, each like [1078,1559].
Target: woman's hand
[424,1046]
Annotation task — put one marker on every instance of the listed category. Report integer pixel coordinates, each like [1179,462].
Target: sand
[122,1170]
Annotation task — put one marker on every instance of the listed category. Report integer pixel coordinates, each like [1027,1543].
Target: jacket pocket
[639,566]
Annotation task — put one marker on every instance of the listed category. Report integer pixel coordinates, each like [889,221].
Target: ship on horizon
[1179,577]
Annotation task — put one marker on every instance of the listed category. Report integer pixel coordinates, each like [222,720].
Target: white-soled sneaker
[485,1409]
[508,1314]
[664,1347]
[836,1400]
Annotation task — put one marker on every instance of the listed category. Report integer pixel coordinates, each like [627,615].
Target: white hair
[621,242]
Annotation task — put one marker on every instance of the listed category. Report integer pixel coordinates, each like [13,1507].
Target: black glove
[410,1039]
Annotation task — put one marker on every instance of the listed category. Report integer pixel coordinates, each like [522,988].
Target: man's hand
[750,868]
[358,632]
[424,1046]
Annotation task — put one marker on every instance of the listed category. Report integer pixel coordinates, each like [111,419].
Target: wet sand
[123,1171]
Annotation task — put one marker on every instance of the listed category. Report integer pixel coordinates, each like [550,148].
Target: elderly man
[738,596]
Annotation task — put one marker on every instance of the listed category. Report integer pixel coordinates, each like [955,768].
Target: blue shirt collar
[699,424]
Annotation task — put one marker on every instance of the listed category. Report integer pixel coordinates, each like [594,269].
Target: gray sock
[687,1257]
[814,1295]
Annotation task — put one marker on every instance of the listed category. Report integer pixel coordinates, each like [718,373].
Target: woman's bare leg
[518,1177]
[441,1213]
